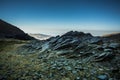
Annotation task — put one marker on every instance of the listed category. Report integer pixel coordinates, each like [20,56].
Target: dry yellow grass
[13,63]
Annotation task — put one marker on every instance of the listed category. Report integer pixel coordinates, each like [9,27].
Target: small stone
[114,45]
[82,52]
[54,64]
[65,78]
[40,57]
[51,62]
[53,67]
[63,73]
[77,78]
[79,68]
[107,50]
[60,64]
[79,62]
[59,68]
[103,77]
[99,48]
[68,68]
[66,64]
[32,60]
[35,77]
[74,72]
[50,75]
[84,79]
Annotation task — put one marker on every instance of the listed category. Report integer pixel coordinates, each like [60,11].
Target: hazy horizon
[56,17]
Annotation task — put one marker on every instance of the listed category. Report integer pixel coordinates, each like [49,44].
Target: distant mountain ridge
[115,36]
[8,30]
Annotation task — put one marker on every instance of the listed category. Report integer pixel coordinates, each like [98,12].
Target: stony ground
[21,60]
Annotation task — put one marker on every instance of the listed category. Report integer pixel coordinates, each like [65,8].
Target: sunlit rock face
[10,31]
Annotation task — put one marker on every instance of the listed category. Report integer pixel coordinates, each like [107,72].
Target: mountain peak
[76,34]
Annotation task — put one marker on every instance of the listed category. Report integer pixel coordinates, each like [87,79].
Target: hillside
[72,56]
[114,36]
[10,31]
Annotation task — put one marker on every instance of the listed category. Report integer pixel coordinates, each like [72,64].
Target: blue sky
[55,17]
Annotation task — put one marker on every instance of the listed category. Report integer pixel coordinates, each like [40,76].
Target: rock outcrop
[74,56]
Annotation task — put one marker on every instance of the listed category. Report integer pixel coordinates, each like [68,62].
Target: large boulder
[66,44]
[69,40]
[105,56]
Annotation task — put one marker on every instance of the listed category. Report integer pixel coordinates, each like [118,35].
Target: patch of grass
[6,44]
[13,65]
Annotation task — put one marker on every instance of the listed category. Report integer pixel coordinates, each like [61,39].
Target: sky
[55,17]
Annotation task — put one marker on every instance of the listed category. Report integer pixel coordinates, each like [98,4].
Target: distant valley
[40,36]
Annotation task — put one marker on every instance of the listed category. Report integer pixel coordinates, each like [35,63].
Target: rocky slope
[72,56]
[10,31]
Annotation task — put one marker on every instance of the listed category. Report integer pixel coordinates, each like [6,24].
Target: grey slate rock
[95,40]
[114,45]
[105,56]
[108,50]
[69,68]
[103,77]
[77,78]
